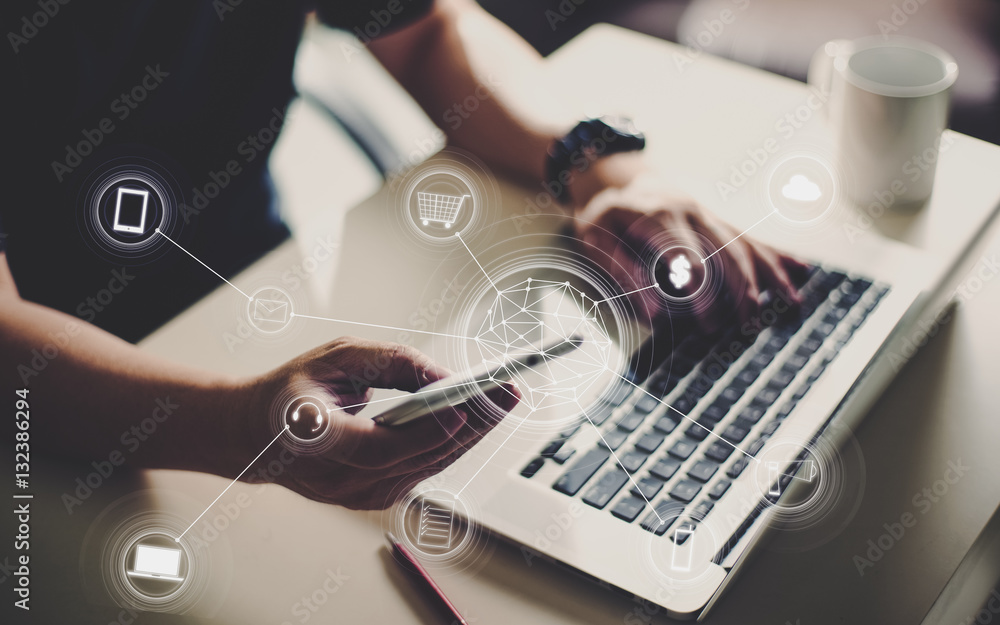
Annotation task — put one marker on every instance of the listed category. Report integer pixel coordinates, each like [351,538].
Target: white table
[700,121]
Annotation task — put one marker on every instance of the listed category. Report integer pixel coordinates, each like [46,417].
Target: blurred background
[780,36]
[368,125]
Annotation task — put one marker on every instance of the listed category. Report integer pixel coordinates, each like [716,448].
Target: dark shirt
[186,88]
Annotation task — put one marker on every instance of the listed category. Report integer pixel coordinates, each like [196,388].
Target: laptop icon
[157,563]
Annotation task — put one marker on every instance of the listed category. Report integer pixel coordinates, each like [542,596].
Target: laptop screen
[157,560]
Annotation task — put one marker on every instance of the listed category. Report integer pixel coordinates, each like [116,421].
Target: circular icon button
[270,309]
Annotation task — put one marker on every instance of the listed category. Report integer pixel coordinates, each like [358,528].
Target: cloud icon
[801,189]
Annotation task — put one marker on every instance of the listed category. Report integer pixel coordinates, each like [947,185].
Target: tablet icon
[270,310]
[437,523]
[130,210]
[157,563]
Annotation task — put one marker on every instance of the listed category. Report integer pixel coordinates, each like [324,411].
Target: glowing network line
[178,539]
[181,248]
[704,260]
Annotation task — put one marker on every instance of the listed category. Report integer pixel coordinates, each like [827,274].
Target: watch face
[620,124]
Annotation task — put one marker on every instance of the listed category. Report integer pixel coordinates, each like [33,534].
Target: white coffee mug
[888,103]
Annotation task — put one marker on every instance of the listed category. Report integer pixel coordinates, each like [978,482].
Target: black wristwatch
[589,140]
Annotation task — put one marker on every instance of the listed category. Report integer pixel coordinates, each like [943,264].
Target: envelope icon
[272,310]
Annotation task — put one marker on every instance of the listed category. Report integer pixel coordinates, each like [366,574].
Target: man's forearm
[481,83]
[92,393]
[488,89]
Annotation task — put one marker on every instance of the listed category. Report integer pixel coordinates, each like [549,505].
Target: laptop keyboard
[726,386]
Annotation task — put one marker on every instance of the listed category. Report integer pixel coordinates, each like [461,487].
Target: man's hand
[368,466]
[627,226]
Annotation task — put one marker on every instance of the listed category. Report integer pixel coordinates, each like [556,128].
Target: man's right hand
[369,466]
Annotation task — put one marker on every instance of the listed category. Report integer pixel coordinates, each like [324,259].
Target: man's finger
[363,443]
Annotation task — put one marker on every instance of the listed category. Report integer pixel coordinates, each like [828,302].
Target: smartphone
[461,387]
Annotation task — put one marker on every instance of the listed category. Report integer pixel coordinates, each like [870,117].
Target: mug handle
[821,66]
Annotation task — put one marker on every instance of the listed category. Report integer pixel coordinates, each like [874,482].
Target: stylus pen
[433,590]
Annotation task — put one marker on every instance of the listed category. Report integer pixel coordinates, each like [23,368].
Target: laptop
[665,485]
[157,563]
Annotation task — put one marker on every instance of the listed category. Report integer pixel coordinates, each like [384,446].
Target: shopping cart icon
[442,209]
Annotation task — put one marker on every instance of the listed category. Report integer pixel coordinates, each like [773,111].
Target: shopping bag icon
[270,310]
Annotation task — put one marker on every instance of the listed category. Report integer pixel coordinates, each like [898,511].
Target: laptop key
[719,489]
[732,394]
[682,404]
[719,451]
[753,413]
[631,421]
[650,441]
[551,449]
[647,487]
[563,455]
[613,439]
[582,470]
[736,468]
[683,449]
[666,513]
[632,460]
[629,508]
[683,532]
[601,492]
[600,413]
[685,490]
[701,510]
[734,433]
[665,468]
[696,432]
[703,470]
[782,378]
[533,467]
[665,425]
[646,404]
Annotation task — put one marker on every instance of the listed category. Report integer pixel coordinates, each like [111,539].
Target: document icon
[270,310]
[437,521]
